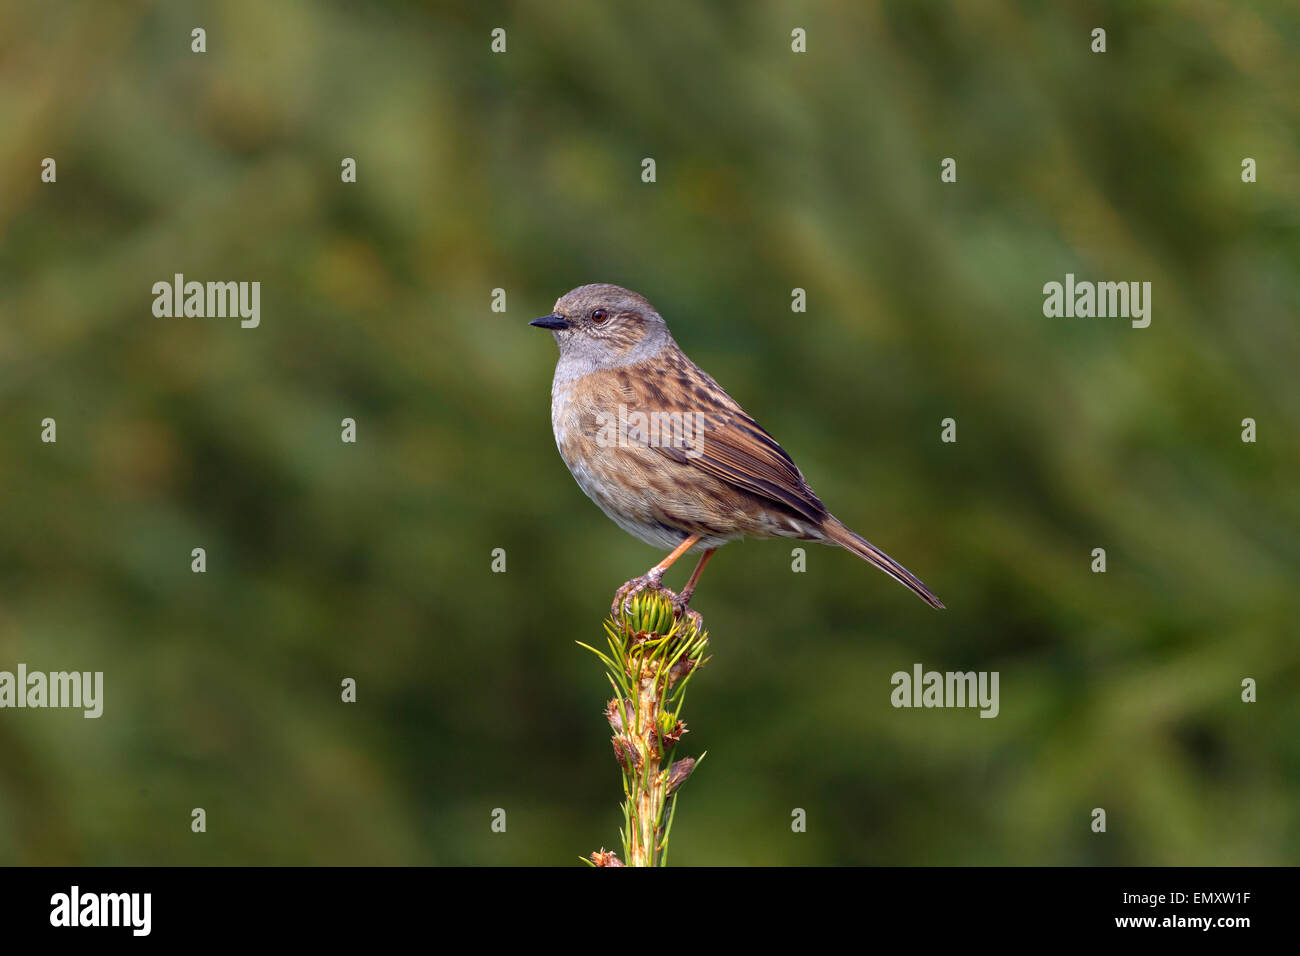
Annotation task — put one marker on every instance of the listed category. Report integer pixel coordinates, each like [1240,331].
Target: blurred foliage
[522,171]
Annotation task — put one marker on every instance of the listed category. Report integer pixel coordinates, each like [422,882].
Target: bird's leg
[680,606]
[652,577]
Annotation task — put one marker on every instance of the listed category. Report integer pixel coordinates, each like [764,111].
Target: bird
[667,454]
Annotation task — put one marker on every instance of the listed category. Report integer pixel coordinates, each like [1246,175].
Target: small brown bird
[666,453]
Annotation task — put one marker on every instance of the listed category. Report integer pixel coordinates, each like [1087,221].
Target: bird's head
[605,326]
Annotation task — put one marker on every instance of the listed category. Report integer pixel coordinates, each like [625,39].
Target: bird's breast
[574,407]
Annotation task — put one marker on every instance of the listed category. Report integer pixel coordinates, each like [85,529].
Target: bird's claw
[630,589]
[683,611]
[651,581]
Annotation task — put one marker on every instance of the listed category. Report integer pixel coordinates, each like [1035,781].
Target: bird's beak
[552,322]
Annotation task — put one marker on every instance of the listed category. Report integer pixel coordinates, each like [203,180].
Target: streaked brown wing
[738,450]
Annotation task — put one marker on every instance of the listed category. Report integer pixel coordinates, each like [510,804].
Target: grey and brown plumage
[718,477]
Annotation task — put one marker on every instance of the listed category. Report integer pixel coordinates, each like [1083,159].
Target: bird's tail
[841,535]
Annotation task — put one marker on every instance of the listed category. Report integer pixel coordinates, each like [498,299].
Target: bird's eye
[599,316]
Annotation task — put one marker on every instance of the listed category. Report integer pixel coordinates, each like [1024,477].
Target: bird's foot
[652,580]
[683,611]
[623,596]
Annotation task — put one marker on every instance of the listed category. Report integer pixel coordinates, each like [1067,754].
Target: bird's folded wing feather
[730,445]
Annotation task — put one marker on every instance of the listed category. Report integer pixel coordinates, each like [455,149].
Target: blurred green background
[522,171]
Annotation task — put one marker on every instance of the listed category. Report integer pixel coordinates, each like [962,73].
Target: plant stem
[652,655]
